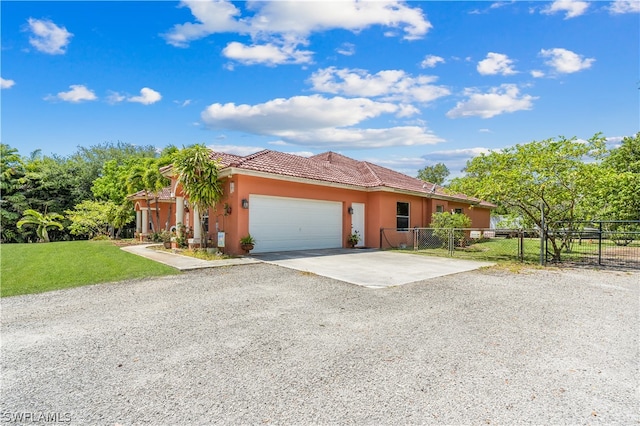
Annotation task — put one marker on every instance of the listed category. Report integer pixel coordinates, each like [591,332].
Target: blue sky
[400,84]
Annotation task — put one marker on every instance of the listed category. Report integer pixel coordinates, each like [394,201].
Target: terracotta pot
[246,247]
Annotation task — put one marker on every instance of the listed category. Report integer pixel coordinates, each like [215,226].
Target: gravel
[261,344]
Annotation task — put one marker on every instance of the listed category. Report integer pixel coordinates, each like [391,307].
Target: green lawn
[494,250]
[36,268]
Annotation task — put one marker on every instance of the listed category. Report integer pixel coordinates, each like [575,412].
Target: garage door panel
[279,223]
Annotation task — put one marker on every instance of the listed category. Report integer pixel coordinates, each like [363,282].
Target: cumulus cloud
[537,74]
[390,85]
[268,54]
[496,63]
[6,84]
[624,6]
[78,93]
[47,37]
[572,8]
[498,100]
[317,121]
[565,61]
[430,61]
[147,97]
[277,28]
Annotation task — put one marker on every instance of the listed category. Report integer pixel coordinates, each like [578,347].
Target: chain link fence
[470,243]
[600,243]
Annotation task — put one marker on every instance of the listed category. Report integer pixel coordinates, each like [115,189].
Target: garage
[282,224]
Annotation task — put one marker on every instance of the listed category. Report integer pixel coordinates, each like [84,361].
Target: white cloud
[346,49]
[78,93]
[565,61]
[390,85]
[147,96]
[573,8]
[498,100]
[317,121]
[212,16]
[268,54]
[496,63]
[47,37]
[277,28]
[537,74]
[455,159]
[183,104]
[624,6]
[431,61]
[6,84]
[235,149]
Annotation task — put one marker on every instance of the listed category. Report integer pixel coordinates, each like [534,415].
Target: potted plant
[353,239]
[247,243]
[165,237]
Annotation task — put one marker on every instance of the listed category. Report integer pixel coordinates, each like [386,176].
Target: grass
[36,268]
[493,250]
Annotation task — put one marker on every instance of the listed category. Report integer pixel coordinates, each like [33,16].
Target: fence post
[543,236]
[451,242]
[521,245]
[600,244]
[415,238]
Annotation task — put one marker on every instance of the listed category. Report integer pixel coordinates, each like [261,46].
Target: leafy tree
[198,175]
[42,222]
[12,199]
[618,194]
[437,174]
[549,175]
[446,222]
[90,218]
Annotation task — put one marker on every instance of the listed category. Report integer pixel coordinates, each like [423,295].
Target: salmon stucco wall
[380,207]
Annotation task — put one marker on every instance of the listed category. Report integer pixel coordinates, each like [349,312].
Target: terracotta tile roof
[336,168]
[163,194]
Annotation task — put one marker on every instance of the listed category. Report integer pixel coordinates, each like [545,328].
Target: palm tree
[43,222]
[198,174]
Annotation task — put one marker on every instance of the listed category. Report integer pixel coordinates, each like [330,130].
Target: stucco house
[289,202]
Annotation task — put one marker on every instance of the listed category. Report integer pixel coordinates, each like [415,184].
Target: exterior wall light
[245,203]
[350,210]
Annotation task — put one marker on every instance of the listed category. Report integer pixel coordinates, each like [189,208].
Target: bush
[446,221]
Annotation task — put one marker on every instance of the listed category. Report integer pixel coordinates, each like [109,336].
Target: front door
[357,221]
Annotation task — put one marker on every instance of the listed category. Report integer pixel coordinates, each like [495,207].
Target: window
[402,215]
[457,211]
[439,208]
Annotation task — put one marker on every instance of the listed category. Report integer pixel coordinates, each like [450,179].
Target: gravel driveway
[261,344]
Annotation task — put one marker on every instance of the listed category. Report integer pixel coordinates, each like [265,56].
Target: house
[289,202]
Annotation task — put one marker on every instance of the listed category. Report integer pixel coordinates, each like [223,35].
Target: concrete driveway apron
[370,268]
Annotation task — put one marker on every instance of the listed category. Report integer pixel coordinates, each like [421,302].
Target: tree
[90,218]
[437,174]
[549,175]
[12,199]
[619,182]
[42,222]
[445,222]
[197,173]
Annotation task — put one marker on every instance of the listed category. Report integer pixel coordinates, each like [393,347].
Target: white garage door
[280,224]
